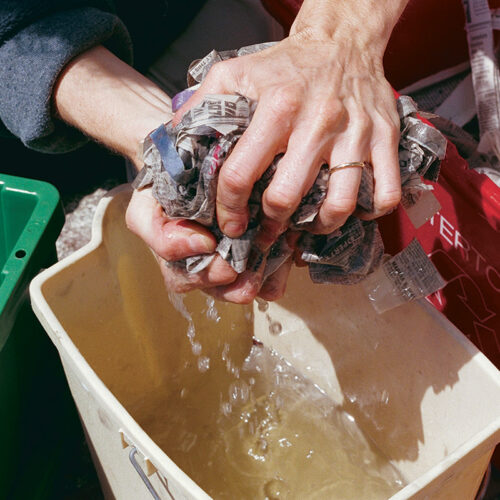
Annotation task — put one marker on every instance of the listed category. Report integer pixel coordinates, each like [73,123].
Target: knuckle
[167,252]
[335,107]
[169,246]
[285,100]
[338,207]
[276,201]
[388,199]
[327,115]
[220,273]
[218,71]
[131,218]
[233,180]
[241,295]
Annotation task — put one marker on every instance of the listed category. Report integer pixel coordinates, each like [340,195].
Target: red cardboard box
[463,239]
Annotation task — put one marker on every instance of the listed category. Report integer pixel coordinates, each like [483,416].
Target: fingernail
[233,229]
[200,244]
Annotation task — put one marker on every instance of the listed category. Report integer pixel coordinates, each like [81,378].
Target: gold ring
[361,164]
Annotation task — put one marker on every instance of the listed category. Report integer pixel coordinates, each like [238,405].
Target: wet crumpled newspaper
[182,163]
[467,147]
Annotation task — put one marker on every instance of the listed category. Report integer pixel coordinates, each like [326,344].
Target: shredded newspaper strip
[182,163]
[485,73]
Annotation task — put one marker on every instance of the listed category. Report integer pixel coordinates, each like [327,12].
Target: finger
[265,137]
[242,291]
[268,233]
[299,167]
[275,285]
[178,280]
[385,161]
[340,201]
[351,145]
[171,240]
[292,238]
[249,284]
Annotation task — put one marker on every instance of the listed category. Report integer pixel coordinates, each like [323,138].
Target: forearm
[365,23]
[109,101]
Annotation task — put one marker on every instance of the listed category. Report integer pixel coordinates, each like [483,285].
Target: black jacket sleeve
[37,39]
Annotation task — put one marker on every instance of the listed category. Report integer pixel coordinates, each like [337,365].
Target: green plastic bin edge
[36,243]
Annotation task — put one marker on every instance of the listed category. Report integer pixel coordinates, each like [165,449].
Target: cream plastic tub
[425,395]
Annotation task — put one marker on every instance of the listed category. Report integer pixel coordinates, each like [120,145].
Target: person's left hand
[318,101]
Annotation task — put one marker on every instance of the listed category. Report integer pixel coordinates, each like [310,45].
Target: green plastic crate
[31,218]
[40,433]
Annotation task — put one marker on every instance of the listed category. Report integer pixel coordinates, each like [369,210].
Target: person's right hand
[174,240]
[110,101]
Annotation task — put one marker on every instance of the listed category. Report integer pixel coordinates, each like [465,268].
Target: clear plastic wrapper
[408,275]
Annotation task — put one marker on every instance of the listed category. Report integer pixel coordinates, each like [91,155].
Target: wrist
[110,101]
[130,145]
[363,24]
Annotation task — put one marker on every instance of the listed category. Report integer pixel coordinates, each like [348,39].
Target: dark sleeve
[37,39]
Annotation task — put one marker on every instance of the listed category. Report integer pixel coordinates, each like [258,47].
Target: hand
[250,283]
[173,240]
[322,98]
[110,101]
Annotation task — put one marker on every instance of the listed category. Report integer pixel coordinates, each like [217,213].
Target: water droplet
[263,305]
[188,442]
[212,312]
[385,397]
[275,328]
[226,409]
[203,363]
[262,444]
[276,489]
[225,352]
[284,443]
[196,348]
[239,391]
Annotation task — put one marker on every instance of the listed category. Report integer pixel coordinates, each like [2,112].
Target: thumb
[170,239]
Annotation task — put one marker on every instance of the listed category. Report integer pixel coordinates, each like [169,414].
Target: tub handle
[142,474]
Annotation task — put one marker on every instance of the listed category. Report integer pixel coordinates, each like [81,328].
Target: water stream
[252,427]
